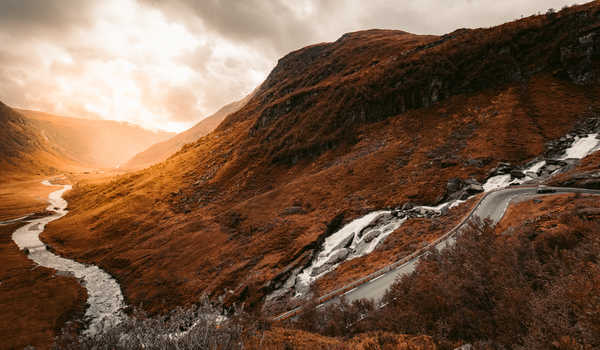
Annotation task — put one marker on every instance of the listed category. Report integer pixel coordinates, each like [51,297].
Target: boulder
[472,181]
[501,169]
[551,168]
[516,174]
[337,256]
[293,210]
[407,206]
[477,162]
[344,243]
[473,189]
[382,219]
[556,162]
[371,235]
[379,220]
[454,185]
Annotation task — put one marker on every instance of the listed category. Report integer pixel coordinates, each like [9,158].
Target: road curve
[492,206]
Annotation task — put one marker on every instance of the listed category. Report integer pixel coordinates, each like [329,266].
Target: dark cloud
[282,26]
[44,17]
[275,24]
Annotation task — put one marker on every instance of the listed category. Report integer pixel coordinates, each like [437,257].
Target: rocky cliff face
[373,120]
[369,76]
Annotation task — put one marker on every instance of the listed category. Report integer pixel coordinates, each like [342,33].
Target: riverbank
[105,300]
[35,301]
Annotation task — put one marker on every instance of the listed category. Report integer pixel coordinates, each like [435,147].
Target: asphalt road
[492,207]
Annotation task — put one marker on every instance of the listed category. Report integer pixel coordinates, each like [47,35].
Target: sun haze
[168,64]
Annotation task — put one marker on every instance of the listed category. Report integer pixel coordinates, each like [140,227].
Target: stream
[105,300]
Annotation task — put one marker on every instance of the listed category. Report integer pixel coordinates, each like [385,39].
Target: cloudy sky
[167,64]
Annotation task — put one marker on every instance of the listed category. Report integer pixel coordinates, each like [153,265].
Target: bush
[530,290]
[198,327]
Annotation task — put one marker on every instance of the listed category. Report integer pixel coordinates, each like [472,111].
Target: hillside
[25,151]
[163,150]
[95,143]
[373,120]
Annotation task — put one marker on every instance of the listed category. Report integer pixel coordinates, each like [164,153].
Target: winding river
[105,300]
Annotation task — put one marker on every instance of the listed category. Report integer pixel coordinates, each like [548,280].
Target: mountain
[25,150]
[95,143]
[374,120]
[163,150]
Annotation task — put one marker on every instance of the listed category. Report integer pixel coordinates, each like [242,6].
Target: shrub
[531,290]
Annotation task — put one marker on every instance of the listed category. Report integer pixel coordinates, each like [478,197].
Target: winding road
[492,206]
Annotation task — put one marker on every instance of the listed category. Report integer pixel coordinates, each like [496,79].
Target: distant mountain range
[162,150]
[95,143]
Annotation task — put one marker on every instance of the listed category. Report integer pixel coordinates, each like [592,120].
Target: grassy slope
[344,127]
[163,150]
[35,303]
[24,150]
[97,143]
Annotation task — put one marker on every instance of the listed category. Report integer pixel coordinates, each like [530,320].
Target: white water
[347,236]
[105,300]
[582,147]
[347,244]
[334,245]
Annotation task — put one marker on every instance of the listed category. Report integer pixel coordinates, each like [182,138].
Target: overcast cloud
[168,64]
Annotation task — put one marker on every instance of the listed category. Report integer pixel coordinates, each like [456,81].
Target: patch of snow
[581,147]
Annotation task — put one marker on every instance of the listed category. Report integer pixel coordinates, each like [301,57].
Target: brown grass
[338,128]
[35,303]
[19,198]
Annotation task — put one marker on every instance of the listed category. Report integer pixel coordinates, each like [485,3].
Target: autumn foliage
[528,290]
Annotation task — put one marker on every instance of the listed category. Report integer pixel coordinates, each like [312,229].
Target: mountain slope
[373,120]
[96,143]
[24,150]
[163,150]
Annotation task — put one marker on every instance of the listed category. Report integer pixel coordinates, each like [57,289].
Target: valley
[376,190]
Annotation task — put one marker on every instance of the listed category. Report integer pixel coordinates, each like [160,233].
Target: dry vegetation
[535,288]
[373,120]
[532,289]
[197,328]
[35,302]
[20,198]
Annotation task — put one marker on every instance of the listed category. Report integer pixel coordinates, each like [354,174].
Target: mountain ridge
[95,143]
[162,150]
[374,120]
